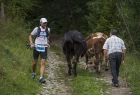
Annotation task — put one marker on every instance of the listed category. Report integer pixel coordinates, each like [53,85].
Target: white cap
[43,20]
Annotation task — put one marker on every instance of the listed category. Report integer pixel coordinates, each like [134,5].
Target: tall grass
[16,60]
[131,71]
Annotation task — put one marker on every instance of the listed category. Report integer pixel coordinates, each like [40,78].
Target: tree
[102,16]
[18,8]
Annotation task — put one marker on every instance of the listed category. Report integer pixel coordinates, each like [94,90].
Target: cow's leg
[69,65]
[95,63]
[69,69]
[100,62]
[75,64]
[86,67]
[74,68]
[99,66]
[107,66]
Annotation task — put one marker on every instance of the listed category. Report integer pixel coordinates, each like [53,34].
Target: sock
[40,77]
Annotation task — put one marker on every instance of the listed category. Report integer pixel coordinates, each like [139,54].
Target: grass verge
[130,70]
[16,62]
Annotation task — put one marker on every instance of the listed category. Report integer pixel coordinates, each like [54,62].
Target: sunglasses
[45,23]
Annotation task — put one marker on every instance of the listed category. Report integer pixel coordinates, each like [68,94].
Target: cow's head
[91,52]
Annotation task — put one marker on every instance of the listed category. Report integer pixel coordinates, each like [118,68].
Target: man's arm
[48,42]
[31,40]
[124,54]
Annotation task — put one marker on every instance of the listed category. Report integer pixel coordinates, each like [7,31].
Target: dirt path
[121,90]
[56,82]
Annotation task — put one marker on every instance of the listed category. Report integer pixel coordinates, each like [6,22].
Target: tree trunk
[2,13]
[127,28]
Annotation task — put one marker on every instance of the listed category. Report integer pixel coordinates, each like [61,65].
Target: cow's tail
[66,44]
[84,45]
[86,39]
[79,40]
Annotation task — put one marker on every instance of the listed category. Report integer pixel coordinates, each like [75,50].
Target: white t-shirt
[42,39]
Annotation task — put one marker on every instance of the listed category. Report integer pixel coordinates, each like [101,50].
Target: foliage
[86,16]
[16,8]
[95,16]
[102,16]
[131,11]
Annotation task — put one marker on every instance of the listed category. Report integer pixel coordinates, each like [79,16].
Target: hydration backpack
[38,32]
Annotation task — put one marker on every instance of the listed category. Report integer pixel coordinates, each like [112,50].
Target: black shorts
[43,55]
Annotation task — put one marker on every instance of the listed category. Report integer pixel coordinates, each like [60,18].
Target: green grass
[56,49]
[86,83]
[131,71]
[16,62]
[15,68]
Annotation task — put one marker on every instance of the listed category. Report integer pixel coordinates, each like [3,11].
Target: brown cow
[95,51]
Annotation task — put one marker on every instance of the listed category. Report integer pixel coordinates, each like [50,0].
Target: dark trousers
[115,62]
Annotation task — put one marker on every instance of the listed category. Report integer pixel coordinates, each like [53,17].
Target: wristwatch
[31,43]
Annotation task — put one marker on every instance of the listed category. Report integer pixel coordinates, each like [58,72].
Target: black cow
[74,46]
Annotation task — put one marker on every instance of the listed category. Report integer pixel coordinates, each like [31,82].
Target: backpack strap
[47,33]
[38,31]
